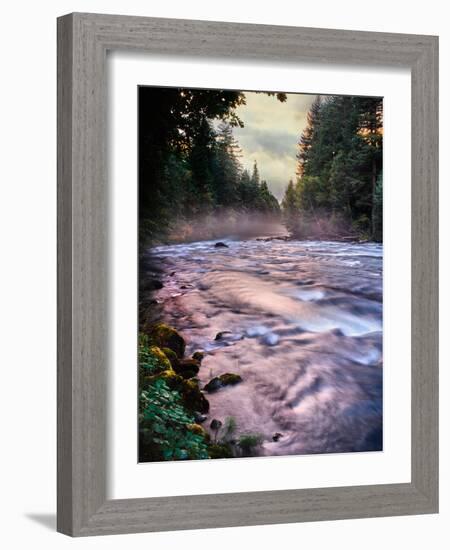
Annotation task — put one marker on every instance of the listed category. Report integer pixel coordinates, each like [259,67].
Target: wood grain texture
[83,40]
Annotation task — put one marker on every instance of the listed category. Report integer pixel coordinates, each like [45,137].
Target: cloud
[273,142]
[270,135]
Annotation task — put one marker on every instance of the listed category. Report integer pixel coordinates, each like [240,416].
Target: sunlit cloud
[270,135]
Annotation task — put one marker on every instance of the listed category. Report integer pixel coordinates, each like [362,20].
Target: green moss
[226,379]
[152,361]
[171,356]
[220,450]
[193,398]
[230,379]
[163,336]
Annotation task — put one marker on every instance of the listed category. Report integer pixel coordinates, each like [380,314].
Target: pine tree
[306,139]
[290,207]
[201,162]
[228,167]
[255,175]
[340,158]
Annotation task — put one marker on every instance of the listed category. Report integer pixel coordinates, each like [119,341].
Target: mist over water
[305,333]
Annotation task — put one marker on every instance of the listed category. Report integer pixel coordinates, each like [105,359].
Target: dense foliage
[339,184]
[189,160]
[165,425]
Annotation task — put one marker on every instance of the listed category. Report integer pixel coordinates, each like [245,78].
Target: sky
[270,136]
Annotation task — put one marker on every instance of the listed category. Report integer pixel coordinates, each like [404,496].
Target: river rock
[198,356]
[163,336]
[199,417]
[226,379]
[228,336]
[193,398]
[171,356]
[187,368]
[223,334]
[215,425]
[220,244]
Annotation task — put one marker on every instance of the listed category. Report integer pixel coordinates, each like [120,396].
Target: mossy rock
[163,336]
[152,361]
[171,356]
[198,356]
[226,379]
[187,368]
[160,356]
[199,430]
[173,380]
[193,398]
[220,450]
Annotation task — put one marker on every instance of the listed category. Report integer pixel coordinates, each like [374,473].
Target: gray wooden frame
[83,40]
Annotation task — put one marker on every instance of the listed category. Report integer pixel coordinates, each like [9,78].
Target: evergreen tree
[306,139]
[228,167]
[339,160]
[201,157]
[255,175]
[290,208]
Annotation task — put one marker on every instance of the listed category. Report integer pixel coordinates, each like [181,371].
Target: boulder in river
[163,336]
[226,379]
[220,244]
[187,368]
[198,356]
[223,334]
[228,336]
[199,417]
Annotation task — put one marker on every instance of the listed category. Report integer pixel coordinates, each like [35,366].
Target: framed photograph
[247,274]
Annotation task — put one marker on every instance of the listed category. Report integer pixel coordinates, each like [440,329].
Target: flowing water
[304,330]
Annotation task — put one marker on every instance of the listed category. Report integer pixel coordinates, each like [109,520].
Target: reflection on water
[305,322]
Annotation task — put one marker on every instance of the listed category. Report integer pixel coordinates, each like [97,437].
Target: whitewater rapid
[304,331]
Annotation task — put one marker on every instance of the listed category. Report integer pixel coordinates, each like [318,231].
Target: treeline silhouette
[189,161]
[339,185]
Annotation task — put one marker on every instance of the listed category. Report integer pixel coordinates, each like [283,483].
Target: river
[304,331]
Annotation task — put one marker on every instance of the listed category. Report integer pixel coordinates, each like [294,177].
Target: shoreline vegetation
[173,408]
[193,187]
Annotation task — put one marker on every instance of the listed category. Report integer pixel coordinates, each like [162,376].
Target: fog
[227,224]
